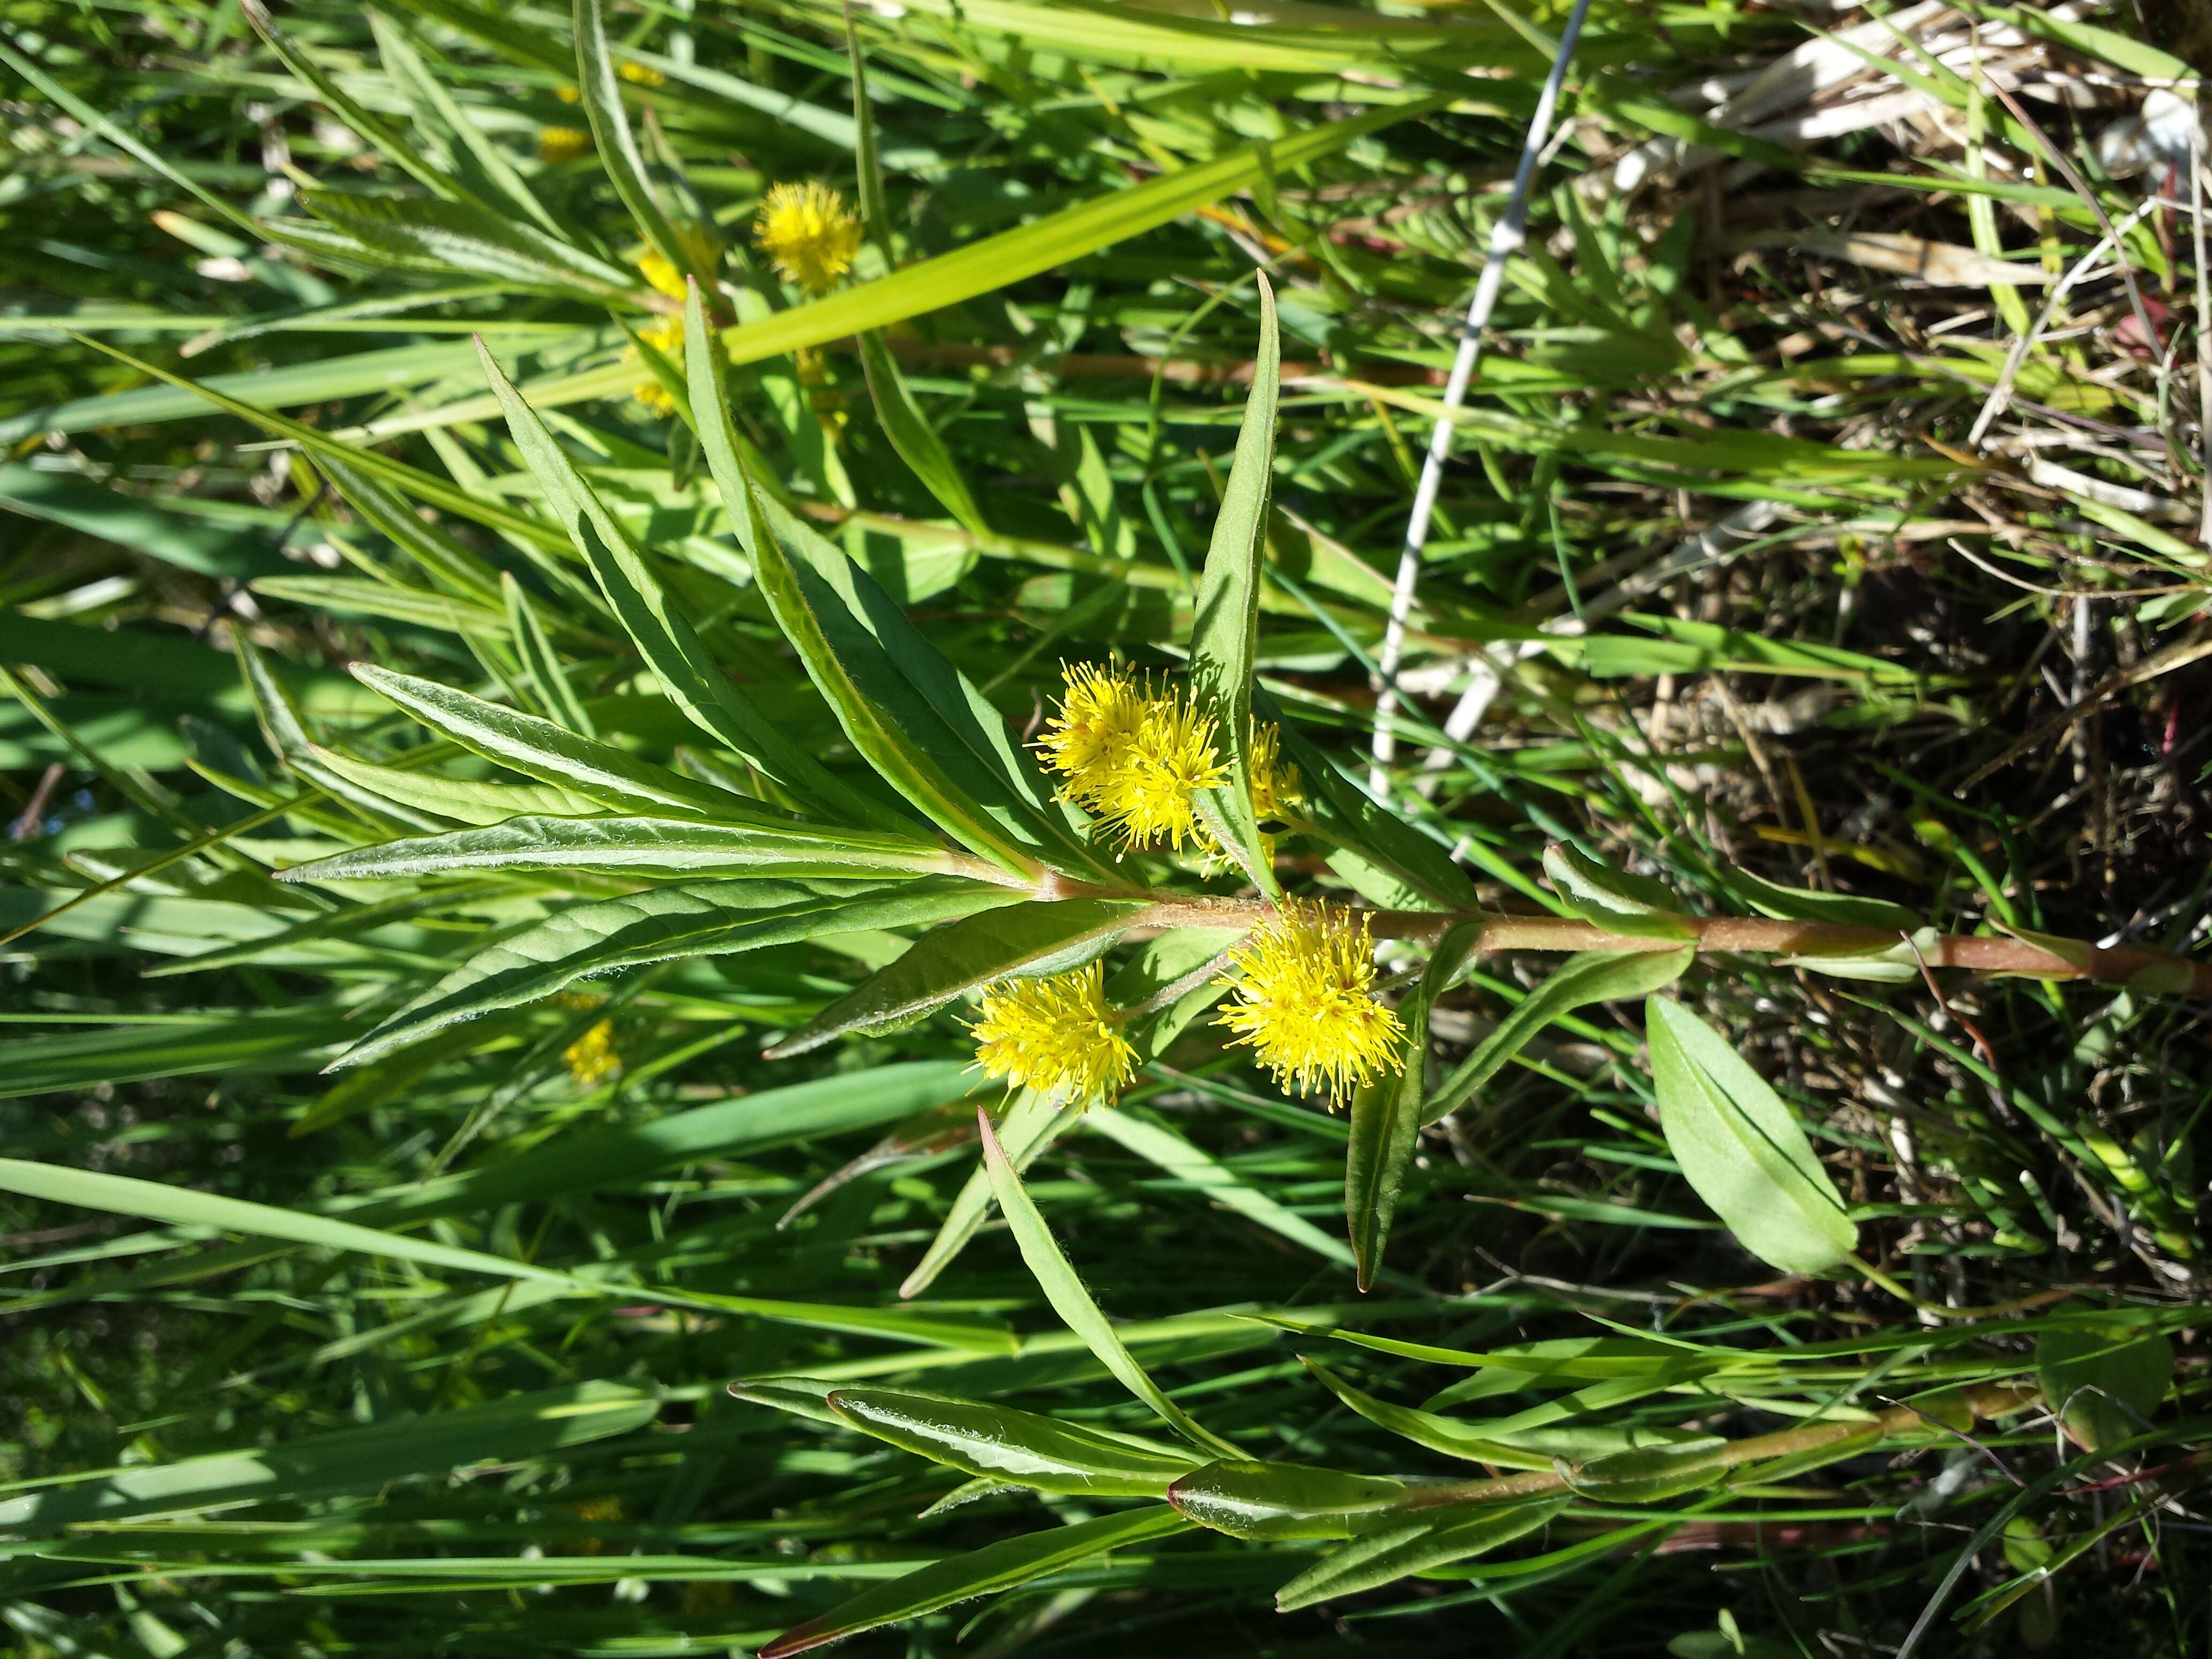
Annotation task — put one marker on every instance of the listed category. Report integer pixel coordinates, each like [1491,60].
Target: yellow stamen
[808,233]
[1274,780]
[1057,1035]
[1303,1004]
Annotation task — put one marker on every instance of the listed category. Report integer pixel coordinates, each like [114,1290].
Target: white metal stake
[1507,237]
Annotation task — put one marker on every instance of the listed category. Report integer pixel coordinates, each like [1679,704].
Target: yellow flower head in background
[1303,1004]
[590,1059]
[808,233]
[641,75]
[1056,1036]
[664,336]
[661,275]
[562,143]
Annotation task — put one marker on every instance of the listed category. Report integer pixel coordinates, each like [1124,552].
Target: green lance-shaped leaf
[441,557]
[909,713]
[1203,1175]
[1741,1148]
[1349,817]
[1030,940]
[1590,976]
[867,159]
[961,1578]
[1032,1123]
[915,439]
[1225,639]
[1386,1115]
[285,728]
[1650,1473]
[1615,900]
[539,749]
[555,696]
[489,175]
[350,596]
[600,89]
[420,234]
[465,801]
[1021,1448]
[677,657]
[2104,1383]
[1247,1498]
[1394,1552]
[661,924]
[521,1427]
[1803,904]
[1057,1279]
[980,267]
[632,846]
[347,110]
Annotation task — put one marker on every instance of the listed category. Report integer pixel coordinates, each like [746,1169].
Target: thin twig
[1507,236]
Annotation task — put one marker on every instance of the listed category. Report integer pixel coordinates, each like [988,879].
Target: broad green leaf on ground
[1015,1446]
[1386,1115]
[1225,639]
[1057,1279]
[641,846]
[994,1567]
[1032,939]
[1741,1148]
[2105,1384]
[1590,976]
[662,924]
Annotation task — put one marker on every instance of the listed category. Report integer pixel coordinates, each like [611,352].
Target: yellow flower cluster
[1137,758]
[1303,1002]
[664,334]
[1057,1035]
[592,1059]
[808,234]
[562,143]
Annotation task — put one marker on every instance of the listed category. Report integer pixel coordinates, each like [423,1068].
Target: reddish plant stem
[1759,936]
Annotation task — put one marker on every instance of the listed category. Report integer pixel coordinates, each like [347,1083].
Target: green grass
[431,1354]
